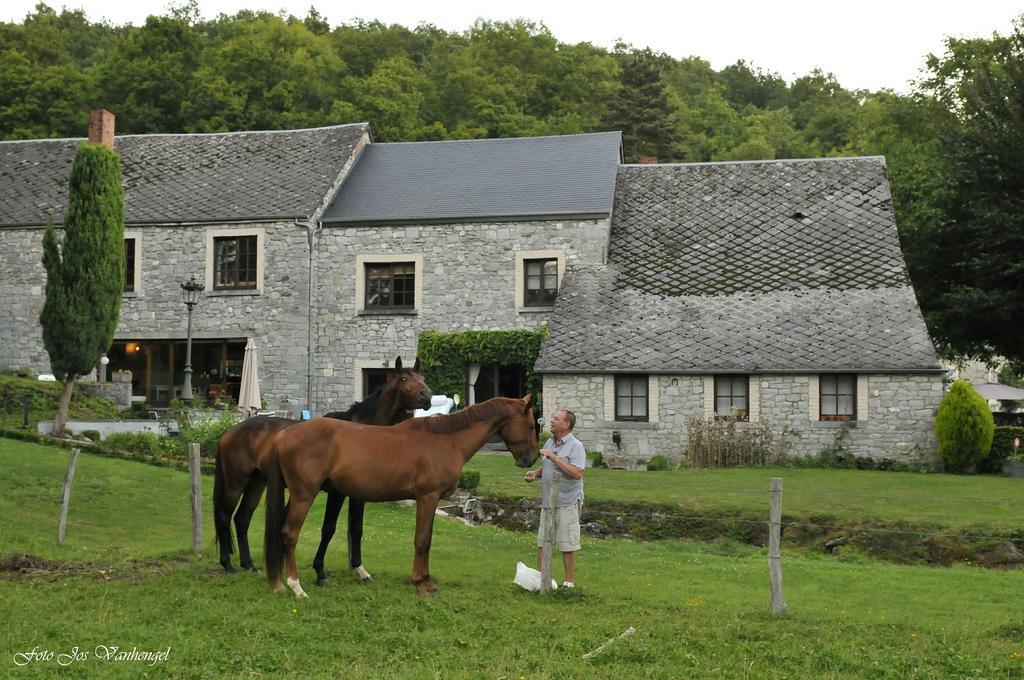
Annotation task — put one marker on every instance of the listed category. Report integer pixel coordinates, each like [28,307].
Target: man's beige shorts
[567,528]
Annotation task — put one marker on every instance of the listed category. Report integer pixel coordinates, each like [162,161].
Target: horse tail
[221,514]
[273,540]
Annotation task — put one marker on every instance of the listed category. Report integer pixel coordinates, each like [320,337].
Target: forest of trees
[954,145]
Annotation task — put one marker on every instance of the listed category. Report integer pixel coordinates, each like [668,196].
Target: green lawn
[946,500]
[699,610]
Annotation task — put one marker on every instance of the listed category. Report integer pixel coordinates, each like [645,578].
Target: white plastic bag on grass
[529,578]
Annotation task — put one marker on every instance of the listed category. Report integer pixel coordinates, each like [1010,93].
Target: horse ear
[398,363]
[416,366]
[527,402]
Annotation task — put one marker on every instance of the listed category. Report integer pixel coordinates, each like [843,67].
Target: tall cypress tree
[85,272]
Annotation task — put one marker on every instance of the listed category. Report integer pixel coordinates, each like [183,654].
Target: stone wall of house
[899,423]
[22,284]
[276,316]
[468,283]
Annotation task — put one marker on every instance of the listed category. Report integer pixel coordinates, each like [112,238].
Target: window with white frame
[838,396]
[389,284]
[131,271]
[538,274]
[540,285]
[631,398]
[732,397]
[234,261]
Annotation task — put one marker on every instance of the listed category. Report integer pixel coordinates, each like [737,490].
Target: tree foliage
[84,272]
[444,355]
[968,263]
[953,146]
[963,427]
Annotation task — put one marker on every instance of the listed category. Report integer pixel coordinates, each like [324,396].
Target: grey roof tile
[774,266]
[480,179]
[187,177]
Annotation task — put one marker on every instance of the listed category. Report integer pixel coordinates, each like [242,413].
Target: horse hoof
[278,588]
[366,579]
[428,589]
[254,569]
[228,569]
[322,581]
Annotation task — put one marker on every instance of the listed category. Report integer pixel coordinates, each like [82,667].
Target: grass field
[944,500]
[125,578]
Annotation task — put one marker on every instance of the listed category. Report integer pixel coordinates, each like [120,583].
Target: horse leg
[222,521]
[253,493]
[425,508]
[355,539]
[298,508]
[334,503]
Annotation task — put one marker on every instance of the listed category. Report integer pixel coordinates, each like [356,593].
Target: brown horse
[418,459]
[240,470]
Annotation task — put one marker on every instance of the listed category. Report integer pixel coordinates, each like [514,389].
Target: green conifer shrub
[963,427]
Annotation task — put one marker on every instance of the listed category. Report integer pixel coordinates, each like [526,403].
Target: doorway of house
[495,380]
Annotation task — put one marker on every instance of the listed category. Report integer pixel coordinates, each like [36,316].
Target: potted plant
[1014,465]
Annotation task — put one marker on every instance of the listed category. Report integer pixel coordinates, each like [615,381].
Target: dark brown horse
[418,459]
[241,456]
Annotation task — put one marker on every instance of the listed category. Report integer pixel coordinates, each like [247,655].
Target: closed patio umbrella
[249,400]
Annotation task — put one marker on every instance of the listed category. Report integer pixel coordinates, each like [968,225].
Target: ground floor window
[158,368]
[373,379]
[631,397]
[838,397]
[731,396]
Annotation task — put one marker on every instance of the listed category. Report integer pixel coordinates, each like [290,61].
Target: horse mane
[467,417]
[360,410]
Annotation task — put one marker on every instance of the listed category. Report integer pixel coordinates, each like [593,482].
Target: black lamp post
[190,296]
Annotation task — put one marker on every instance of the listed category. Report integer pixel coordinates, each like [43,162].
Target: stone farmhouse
[762,291]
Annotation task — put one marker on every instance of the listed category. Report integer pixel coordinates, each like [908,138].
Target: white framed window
[732,397]
[618,387]
[827,396]
[631,397]
[837,396]
[389,284]
[538,276]
[133,263]
[234,261]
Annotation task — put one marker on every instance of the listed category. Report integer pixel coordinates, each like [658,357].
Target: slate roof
[187,177]
[480,179]
[744,267]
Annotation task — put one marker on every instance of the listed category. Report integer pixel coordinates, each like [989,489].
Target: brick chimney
[101,128]
[648,160]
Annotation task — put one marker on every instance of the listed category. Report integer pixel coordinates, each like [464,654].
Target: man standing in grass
[562,453]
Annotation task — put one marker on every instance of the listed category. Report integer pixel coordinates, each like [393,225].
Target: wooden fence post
[774,539]
[65,496]
[196,494]
[550,526]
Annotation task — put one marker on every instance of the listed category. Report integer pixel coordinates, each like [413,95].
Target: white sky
[867,43]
